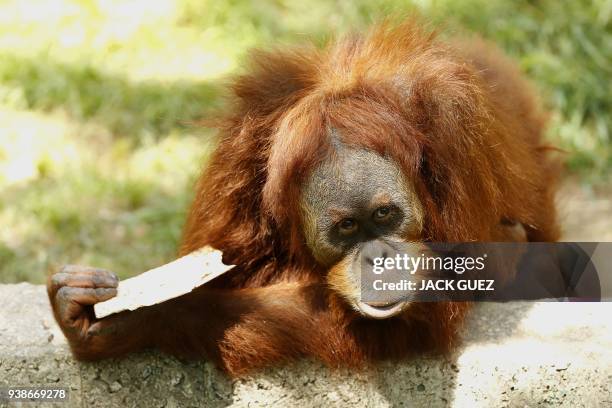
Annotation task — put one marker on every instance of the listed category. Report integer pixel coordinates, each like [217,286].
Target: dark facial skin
[355,197]
[354,205]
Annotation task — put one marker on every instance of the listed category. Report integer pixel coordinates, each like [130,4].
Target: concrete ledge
[515,354]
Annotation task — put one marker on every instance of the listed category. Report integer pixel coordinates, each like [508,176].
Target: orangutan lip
[380,312]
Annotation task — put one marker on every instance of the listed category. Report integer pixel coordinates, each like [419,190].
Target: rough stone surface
[515,354]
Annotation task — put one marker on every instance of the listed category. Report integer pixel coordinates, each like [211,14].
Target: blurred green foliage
[97,153]
[86,93]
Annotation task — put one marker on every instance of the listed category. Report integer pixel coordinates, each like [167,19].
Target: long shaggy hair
[458,119]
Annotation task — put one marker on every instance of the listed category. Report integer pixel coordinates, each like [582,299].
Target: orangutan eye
[348,226]
[382,213]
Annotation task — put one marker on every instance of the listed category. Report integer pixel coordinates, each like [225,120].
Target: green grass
[97,154]
[86,93]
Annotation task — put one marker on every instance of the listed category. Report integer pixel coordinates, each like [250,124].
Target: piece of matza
[165,282]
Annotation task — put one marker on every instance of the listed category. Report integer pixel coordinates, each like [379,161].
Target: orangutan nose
[375,252]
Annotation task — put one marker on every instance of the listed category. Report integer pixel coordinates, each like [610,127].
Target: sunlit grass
[103,203]
[97,157]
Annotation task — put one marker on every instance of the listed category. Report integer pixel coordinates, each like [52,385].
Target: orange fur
[459,121]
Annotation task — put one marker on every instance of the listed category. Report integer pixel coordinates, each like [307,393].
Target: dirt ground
[585,212]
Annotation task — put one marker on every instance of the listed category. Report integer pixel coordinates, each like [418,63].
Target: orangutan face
[356,205]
